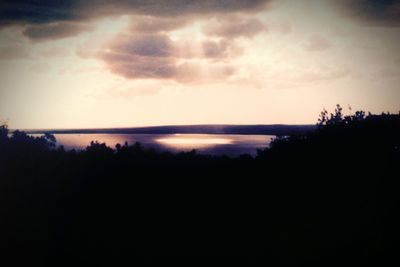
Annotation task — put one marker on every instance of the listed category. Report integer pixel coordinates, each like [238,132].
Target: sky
[100,64]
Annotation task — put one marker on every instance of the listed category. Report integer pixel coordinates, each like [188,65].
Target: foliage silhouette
[330,195]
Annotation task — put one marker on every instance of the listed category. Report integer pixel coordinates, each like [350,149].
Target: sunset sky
[97,63]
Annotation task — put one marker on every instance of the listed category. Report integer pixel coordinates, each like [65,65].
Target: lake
[213,144]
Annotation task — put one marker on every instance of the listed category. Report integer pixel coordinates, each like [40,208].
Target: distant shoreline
[275,129]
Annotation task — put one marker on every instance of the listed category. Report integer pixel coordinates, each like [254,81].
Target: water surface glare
[190,141]
[214,144]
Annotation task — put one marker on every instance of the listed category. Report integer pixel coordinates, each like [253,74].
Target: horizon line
[160,126]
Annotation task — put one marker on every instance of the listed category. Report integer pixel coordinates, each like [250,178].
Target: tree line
[326,196]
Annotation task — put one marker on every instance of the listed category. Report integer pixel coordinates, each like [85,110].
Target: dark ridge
[275,129]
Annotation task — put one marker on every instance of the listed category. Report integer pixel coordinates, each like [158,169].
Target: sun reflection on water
[193,141]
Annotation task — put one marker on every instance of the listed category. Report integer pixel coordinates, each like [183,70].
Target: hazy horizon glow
[96,64]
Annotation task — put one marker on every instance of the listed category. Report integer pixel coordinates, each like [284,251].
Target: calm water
[231,145]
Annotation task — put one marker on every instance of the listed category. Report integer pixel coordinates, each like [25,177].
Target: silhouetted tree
[50,139]
[333,118]
[3,133]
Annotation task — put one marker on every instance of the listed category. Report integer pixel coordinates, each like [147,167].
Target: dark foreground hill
[328,197]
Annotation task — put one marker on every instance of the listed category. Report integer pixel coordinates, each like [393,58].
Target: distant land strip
[275,129]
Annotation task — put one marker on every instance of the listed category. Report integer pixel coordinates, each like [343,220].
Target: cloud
[140,56]
[156,56]
[385,13]
[56,30]
[317,43]
[148,51]
[233,26]
[149,45]
[220,50]
[139,67]
[213,49]
[162,8]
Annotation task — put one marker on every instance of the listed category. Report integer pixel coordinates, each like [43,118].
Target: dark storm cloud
[381,13]
[36,11]
[44,11]
[55,13]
